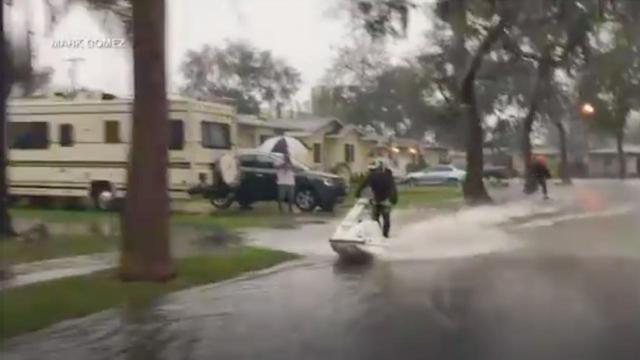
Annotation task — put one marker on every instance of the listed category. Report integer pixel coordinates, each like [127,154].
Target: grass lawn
[33,307]
[229,219]
[422,196]
[58,246]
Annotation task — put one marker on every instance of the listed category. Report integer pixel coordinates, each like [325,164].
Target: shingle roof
[305,124]
[309,124]
[628,148]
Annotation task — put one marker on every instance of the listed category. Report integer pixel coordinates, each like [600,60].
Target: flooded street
[523,279]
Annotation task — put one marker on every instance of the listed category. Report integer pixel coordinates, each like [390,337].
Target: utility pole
[73,72]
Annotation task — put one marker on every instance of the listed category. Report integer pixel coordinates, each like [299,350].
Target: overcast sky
[300,31]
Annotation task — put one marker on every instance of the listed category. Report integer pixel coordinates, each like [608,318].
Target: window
[66,135]
[112,132]
[28,135]
[215,135]
[176,135]
[265,162]
[349,153]
[317,153]
[441,168]
[248,161]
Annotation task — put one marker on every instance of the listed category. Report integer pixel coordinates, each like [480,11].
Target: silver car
[437,175]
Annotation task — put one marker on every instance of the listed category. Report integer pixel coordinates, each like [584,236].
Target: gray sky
[300,31]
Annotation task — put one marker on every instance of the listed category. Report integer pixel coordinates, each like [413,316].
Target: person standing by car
[380,180]
[286,180]
[540,173]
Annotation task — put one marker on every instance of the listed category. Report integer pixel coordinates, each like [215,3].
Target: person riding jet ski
[380,180]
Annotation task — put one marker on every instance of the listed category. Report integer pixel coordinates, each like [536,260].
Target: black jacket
[382,184]
[540,171]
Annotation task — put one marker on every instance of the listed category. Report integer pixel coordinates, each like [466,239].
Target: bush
[357,179]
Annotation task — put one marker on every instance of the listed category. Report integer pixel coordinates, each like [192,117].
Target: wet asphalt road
[525,280]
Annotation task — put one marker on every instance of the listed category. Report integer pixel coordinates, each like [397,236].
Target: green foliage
[428,196]
[239,71]
[32,307]
[358,179]
[611,82]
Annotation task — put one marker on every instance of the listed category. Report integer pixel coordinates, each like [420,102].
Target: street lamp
[587,110]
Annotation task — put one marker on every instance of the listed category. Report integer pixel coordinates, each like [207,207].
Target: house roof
[544,151]
[345,130]
[298,134]
[307,124]
[406,142]
[628,149]
[252,120]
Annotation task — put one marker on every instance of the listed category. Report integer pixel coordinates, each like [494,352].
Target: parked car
[436,175]
[258,183]
[496,172]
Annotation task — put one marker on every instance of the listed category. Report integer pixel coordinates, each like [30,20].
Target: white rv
[79,148]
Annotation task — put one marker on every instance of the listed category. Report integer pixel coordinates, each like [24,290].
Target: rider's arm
[394,191]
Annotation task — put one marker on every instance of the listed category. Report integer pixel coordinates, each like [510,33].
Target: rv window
[112,132]
[66,135]
[28,135]
[215,135]
[176,135]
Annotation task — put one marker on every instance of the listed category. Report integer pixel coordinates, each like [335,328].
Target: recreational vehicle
[77,149]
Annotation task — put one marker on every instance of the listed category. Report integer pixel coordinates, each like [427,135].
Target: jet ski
[358,237]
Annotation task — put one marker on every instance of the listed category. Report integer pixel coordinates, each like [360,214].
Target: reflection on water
[487,307]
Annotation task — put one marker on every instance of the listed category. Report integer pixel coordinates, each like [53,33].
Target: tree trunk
[564,160]
[473,188]
[146,254]
[622,161]
[537,95]
[6,228]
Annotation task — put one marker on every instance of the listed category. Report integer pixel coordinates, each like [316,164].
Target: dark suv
[258,183]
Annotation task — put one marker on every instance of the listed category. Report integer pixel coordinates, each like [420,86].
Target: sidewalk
[29,273]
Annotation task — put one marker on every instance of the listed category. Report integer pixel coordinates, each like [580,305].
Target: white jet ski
[358,236]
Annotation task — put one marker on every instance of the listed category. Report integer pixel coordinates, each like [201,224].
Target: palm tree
[145,253]
[6,228]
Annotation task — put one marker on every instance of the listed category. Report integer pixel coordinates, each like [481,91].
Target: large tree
[145,253]
[483,22]
[251,77]
[612,82]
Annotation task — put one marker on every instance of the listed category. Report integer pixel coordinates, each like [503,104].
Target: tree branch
[442,91]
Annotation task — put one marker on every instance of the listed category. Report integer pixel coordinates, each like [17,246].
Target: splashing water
[469,232]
